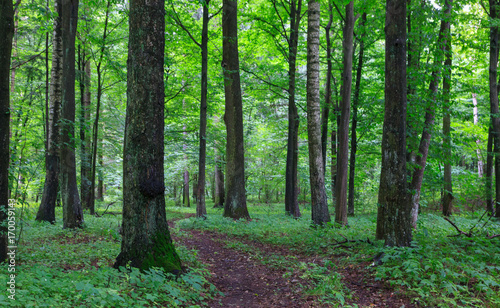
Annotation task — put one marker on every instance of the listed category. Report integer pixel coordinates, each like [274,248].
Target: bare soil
[247,282]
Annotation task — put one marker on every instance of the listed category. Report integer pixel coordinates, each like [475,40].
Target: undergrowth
[73,268]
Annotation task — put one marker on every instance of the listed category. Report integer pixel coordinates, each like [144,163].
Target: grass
[72,268]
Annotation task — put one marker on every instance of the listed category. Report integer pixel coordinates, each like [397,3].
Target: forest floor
[246,281]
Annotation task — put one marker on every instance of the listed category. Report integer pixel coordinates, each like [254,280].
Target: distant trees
[7,30]
[393,217]
[146,240]
[235,205]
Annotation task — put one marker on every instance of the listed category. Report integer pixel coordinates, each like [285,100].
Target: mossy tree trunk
[235,205]
[7,30]
[46,211]
[394,208]
[72,209]
[319,205]
[146,239]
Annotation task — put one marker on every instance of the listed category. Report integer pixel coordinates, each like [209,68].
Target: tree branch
[263,80]
[180,24]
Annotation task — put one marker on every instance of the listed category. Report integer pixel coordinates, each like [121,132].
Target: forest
[237,153]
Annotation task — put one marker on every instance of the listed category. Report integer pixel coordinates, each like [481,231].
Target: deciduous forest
[236,153]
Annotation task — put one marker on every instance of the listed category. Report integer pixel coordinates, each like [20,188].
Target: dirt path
[246,282]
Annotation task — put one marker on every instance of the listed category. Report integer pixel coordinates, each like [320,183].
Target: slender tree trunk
[291,183]
[343,154]
[146,238]
[334,141]
[494,109]
[489,174]
[7,30]
[72,209]
[46,211]
[393,217]
[423,149]
[448,187]
[85,148]
[355,103]
[201,210]
[319,205]
[236,200]
[325,114]
[480,165]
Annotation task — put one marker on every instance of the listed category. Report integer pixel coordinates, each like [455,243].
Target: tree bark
[448,187]
[236,200]
[325,114]
[146,238]
[355,104]
[46,211]
[480,165]
[489,174]
[85,148]
[72,209]
[394,208]
[319,205]
[7,30]
[345,106]
[201,210]
[494,109]
[425,140]
[291,182]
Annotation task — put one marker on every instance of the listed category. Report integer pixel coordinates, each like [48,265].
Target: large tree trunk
[448,187]
[425,140]
[7,30]
[355,103]
[201,210]
[393,218]
[72,209]
[345,106]
[494,110]
[46,211]
[146,239]
[319,205]
[291,183]
[236,200]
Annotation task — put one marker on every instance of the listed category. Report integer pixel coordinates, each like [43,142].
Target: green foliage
[442,271]
[73,268]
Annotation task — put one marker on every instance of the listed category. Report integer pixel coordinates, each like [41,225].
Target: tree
[345,110]
[291,184]
[355,104]
[72,209]
[319,205]
[236,203]
[494,109]
[425,140]
[448,187]
[46,211]
[7,30]
[146,238]
[394,209]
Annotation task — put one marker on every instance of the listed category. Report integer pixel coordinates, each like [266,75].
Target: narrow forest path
[247,282]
